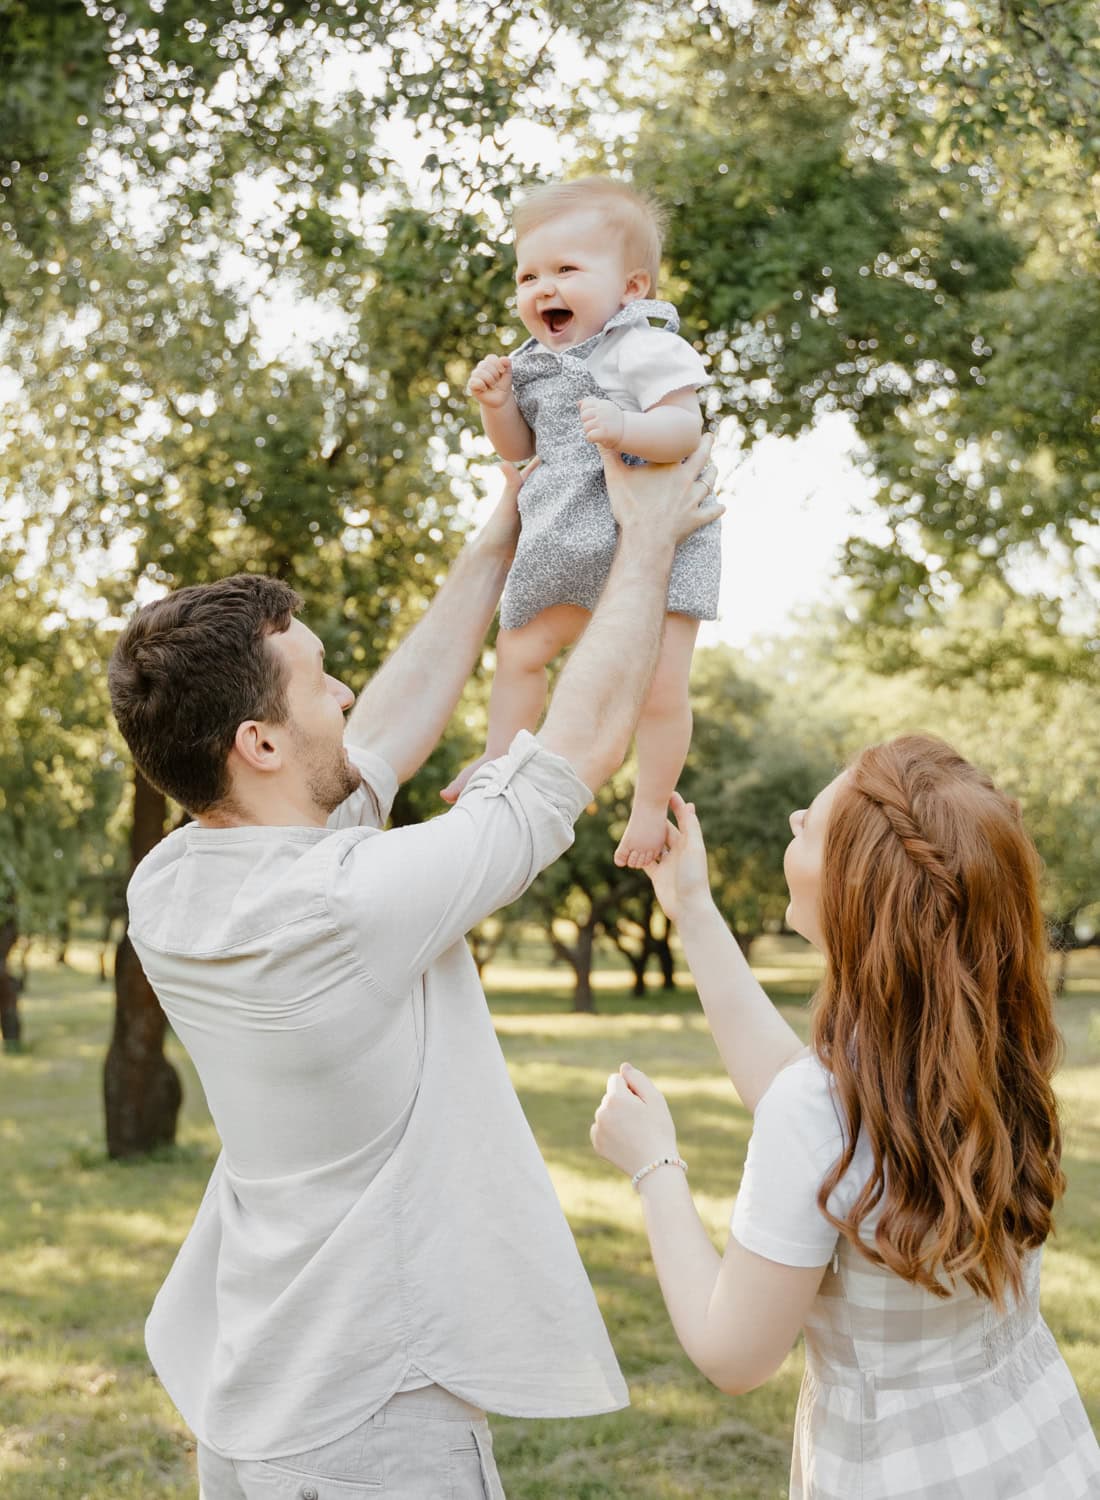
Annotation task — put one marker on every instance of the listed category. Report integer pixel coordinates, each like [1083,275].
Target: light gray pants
[422,1445]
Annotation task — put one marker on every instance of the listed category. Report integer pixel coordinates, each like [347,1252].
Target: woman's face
[803,860]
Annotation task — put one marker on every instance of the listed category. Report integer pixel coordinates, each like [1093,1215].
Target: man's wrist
[640,539]
[488,550]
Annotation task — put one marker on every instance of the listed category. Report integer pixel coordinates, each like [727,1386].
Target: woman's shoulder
[801,1102]
[804,1077]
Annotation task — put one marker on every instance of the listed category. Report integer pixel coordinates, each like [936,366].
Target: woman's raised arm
[752,1038]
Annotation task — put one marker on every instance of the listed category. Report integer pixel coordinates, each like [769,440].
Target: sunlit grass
[84,1244]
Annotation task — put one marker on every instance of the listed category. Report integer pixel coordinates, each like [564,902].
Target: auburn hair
[636,218]
[936,1021]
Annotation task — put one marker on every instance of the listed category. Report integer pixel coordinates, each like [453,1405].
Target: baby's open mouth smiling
[557,318]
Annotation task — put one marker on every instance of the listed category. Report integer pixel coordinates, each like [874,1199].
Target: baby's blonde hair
[638,219]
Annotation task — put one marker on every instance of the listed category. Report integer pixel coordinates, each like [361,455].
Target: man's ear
[256,748]
[638,284]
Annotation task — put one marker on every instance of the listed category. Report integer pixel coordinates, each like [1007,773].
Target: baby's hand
[602,422]
[491,383]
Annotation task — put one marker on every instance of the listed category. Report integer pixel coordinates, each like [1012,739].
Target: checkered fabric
[907,1397]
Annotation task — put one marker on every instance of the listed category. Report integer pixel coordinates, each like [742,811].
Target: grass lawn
[84,1243]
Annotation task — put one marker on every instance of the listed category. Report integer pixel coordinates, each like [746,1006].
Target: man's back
[303,1058]
[380,1212]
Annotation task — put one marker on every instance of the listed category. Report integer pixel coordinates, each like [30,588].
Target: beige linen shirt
[380,1209]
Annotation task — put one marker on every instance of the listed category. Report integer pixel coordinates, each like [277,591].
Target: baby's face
[570,278]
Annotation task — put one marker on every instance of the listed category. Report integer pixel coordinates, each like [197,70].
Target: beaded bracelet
[662,1161]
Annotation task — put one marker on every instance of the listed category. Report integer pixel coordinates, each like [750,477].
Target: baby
[593,374]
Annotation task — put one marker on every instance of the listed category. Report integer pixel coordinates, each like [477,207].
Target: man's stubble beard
[331,776]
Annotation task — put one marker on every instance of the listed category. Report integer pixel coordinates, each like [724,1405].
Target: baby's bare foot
[454,789]
[644,839]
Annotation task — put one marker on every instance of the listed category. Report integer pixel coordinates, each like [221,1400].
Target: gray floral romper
[568,534]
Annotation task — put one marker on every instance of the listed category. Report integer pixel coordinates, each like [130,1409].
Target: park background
[249,252]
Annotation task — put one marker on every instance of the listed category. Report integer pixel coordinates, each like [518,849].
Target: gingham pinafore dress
[567,532]
[907,1397]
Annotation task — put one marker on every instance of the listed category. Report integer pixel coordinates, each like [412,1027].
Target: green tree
[900,232]
[1037,737]
[891,211]
[60,774]
[581,896]
[753,761]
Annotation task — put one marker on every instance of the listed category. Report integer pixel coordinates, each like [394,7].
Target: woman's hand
[501,531]
[680,877]
[633,1125]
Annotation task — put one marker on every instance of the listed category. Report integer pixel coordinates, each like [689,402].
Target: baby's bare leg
[519,683]
[663,738]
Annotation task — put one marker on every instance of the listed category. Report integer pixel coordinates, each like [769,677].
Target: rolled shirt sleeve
[407,896]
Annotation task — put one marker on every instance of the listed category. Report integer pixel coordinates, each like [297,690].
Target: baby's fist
[491,382]
[602,422]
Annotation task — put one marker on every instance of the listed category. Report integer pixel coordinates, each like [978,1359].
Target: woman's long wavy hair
[935,1018]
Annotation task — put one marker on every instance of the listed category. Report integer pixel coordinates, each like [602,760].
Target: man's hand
[675,499]
[501,531]
[491,383]
[603,422]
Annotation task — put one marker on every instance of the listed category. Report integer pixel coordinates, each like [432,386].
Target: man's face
[316,704]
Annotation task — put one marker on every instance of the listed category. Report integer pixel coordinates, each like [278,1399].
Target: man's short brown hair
[188,670]
[637,218]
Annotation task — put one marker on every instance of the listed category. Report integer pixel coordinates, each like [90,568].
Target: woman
[903,1169]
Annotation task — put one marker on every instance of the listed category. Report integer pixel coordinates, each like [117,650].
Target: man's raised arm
[596,703]
[407,704]
[411,895]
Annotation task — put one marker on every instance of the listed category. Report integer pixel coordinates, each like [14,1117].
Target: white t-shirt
[637,365]
[797,1135]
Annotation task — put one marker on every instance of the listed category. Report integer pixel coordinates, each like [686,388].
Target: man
[380,1257]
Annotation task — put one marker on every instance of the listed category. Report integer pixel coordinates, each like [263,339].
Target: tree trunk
[141,1088]
[637,961]
[483,949]
[64,937]
[583,999]
[11,1028]
[1062,972]
[22,984]
[663,949]
[579,959]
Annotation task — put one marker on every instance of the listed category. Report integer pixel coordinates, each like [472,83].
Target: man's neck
[273,812]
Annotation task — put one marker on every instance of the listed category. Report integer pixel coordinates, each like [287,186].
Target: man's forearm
[405,707]
[600,692]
